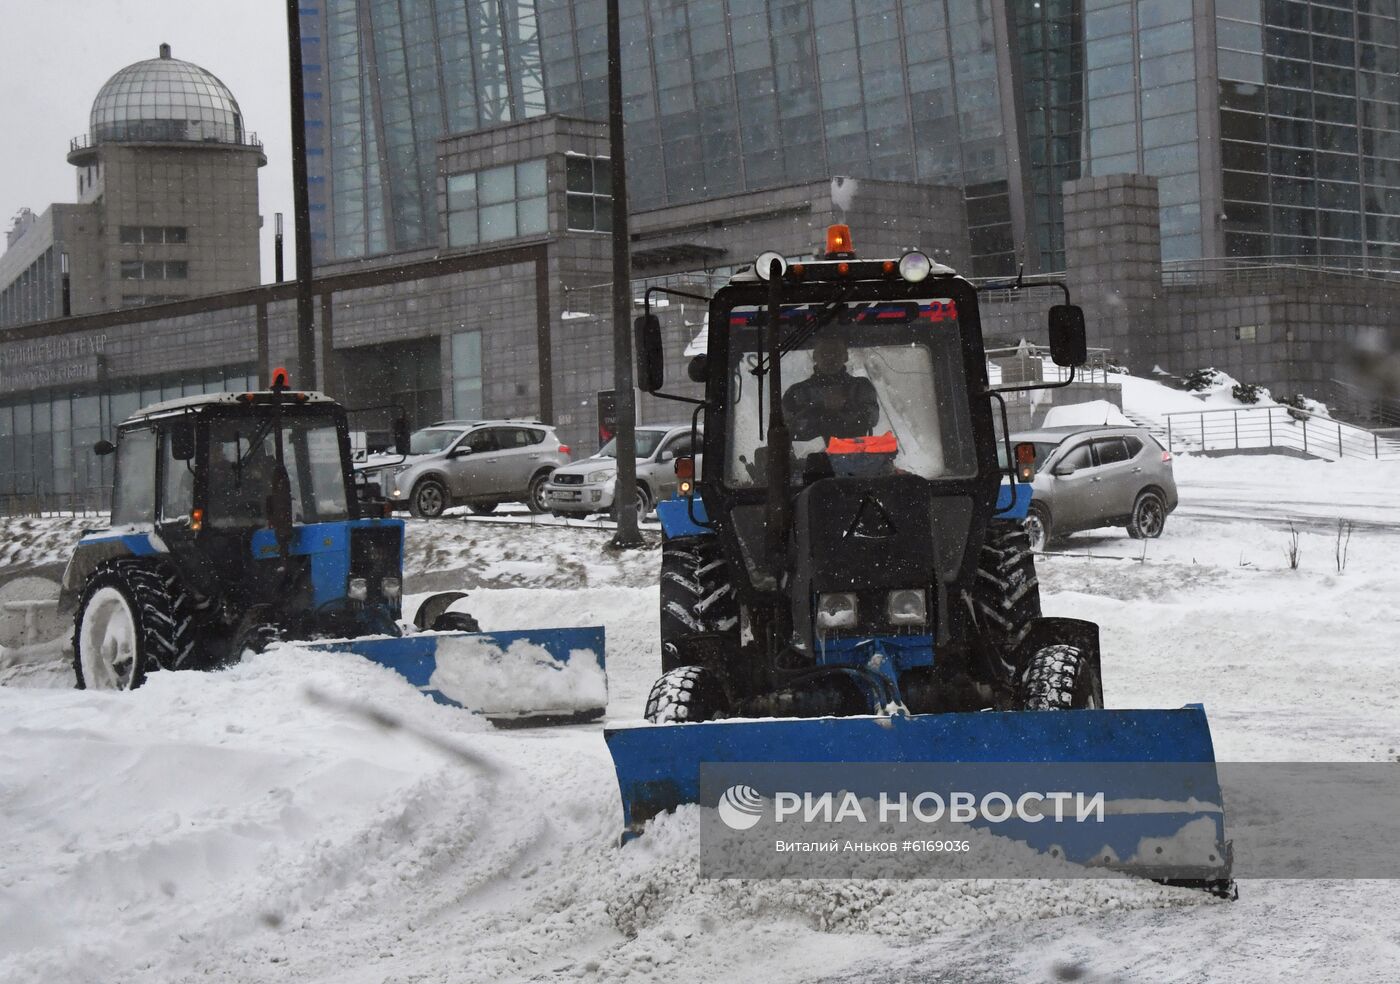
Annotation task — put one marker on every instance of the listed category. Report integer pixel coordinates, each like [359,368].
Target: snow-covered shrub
[1246,392]
[1295,404]
[1199,380]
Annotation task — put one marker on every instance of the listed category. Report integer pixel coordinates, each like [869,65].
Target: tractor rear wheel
[132,620]
[1060,678]
[1007,592]
[686,695]
[699,610]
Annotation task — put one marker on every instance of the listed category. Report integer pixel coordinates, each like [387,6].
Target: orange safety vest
[882,444]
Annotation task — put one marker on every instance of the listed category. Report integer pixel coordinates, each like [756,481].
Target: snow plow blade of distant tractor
[520,679]
[1156,768]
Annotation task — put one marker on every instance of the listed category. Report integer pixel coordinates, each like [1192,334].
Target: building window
[590,194]
[138,235]
[466,375]
[1246,333]
[141,300]
[155,270]
[497,203]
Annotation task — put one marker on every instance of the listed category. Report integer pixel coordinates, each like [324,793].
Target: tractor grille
[558,479]
[375,551]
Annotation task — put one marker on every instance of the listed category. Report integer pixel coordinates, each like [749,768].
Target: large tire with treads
[686,695]
[1059,678]
[699,609]
[1007,592]
[157,611]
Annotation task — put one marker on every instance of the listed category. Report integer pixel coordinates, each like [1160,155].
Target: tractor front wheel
[1060,678]
[687,695]
[131,621]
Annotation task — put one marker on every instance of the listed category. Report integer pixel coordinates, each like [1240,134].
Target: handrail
[1279,426]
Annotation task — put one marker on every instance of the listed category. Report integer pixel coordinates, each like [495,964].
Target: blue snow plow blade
[1162,813]
[537,676]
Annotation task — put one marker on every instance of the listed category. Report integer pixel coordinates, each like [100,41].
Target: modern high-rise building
[1272,126]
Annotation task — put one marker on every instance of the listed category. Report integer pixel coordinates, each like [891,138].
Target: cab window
[134,491]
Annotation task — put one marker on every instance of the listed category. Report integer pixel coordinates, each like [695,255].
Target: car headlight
[836,610]
[908,606]
[401,469]
[599,476]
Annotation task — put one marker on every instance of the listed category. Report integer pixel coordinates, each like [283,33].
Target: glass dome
[166,99]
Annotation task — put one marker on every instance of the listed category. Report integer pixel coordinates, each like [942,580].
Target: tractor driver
[831,402]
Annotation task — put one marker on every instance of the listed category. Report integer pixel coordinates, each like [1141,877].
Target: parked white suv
[479,463]
[588,486]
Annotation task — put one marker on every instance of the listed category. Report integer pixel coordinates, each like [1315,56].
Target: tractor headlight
[393,587]
[908,606]
[359,589]
[836,610]
[915,266]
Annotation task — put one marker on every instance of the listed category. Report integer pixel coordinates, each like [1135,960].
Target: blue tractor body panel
[328,547]
[675,516]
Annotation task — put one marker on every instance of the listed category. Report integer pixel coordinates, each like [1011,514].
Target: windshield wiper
[798,335]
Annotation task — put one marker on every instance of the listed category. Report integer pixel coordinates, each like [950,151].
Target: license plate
[564,496]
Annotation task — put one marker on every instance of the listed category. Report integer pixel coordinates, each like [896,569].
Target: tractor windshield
[242,459]
[878,379]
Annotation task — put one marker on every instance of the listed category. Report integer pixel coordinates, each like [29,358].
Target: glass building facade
[1272,127]
[1309,105]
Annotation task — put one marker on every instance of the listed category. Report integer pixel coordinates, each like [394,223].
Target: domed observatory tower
[174,175]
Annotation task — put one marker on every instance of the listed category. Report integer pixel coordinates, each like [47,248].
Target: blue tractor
[851,580]
[236,521]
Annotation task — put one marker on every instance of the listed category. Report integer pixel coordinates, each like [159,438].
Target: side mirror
[1068,346]
[460,450]
[182,440]
[1063,470]
[103,448]
[651,366]
[403,442]
[699,367]
[666,455]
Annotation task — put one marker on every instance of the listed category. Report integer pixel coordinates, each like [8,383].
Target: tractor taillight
[1025,462]
[197,519]
[685,468]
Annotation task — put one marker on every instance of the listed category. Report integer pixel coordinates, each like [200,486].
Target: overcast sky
[56,54]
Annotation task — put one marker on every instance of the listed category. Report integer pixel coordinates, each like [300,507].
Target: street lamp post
[301,204]
[627,533]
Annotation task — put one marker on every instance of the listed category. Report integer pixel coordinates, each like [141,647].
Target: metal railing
[1230,429]
[1024,363]
[91,502]
[1256,269]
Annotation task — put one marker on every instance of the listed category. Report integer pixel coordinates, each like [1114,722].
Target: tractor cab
[245,504]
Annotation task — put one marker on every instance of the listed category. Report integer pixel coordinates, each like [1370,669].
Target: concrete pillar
[1113,263]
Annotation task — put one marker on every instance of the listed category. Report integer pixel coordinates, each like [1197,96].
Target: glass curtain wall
[1310,128]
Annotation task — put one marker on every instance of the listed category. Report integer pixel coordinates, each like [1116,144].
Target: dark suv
[1087,477]
[479,463]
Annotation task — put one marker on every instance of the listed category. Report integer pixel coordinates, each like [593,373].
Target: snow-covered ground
[252,825]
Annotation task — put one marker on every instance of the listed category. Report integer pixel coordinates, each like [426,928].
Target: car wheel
[1149,517]
[535,499]
[483,508]
[429,499]
[1038,527]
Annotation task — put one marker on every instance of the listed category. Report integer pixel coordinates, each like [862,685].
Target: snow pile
[522,678]
[1092,412]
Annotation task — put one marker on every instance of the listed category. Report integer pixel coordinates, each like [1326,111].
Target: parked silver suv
[1087,477]
[480,463]
[587,486]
